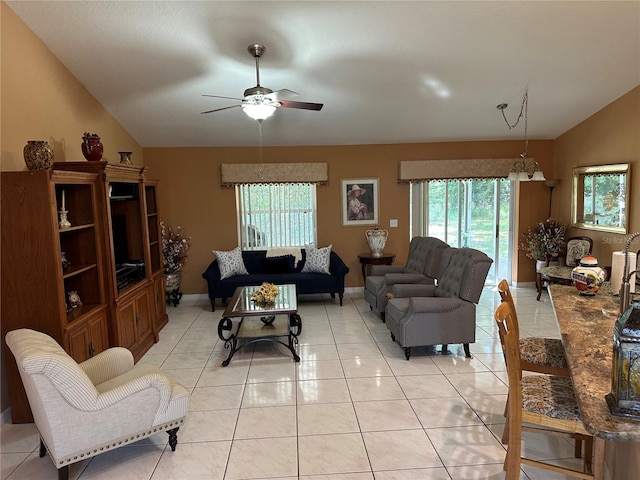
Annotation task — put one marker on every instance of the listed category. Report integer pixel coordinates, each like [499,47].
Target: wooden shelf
[78,269]
[75,228]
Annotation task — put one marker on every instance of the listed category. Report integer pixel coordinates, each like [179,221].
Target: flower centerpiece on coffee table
[266,293]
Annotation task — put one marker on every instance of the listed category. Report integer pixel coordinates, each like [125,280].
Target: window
[467,213]
[276,215]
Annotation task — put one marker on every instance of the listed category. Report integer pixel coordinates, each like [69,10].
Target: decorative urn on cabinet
[92,147]
[588,277]
[38,155]
[377,239]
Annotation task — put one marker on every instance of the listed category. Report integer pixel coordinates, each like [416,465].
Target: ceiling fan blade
[301,105]
[219,96]
[282,93]
[223,108]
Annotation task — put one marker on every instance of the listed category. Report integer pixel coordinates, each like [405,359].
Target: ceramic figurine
[74,299]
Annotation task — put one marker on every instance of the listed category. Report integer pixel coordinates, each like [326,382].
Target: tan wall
[191,195]
[610,136]
[42,100]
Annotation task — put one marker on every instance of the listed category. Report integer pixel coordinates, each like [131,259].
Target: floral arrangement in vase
[547,238]
[266,293]
[174,248]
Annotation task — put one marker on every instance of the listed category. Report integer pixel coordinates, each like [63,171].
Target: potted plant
[545,240]
[174,252]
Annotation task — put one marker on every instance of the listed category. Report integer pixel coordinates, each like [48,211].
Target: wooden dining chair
[539,403]
[537,354]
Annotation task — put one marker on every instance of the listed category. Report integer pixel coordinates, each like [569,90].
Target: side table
[367,259]
[173,296]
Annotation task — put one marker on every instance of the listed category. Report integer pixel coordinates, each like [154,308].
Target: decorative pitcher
[377,240]
[588,276]
[91,147]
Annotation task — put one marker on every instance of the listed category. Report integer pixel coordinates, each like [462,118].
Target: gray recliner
[423,266]
[430,315]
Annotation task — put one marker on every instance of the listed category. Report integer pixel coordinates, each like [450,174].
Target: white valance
[417,170]
[235,173]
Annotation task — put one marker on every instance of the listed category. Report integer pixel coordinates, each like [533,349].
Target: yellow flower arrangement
[265,294]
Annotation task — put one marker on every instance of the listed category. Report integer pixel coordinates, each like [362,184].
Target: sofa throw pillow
[279,264]
[317,260]
[230,263]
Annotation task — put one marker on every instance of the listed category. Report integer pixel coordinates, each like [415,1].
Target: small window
[276,215]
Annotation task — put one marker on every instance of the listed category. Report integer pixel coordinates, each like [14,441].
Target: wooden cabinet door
[126,318]
[160,303]
[88,338]
[143,315]
[98,333]
[79,343]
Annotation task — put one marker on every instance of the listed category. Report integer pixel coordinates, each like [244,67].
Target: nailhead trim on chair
[110,445]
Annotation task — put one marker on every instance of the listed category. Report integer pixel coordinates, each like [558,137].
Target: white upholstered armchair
[82,410]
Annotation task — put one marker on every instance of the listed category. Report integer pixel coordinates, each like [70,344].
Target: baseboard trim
[6,416]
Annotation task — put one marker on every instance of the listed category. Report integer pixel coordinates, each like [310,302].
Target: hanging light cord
[523,113]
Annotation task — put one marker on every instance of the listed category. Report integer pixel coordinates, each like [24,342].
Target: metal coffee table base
[252,330]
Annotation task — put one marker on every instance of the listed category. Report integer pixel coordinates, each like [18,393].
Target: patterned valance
[417,170]
[235,173]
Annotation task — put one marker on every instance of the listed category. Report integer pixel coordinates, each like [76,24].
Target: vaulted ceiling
[386,72]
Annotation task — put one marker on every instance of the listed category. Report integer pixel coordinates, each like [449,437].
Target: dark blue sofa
[306,283]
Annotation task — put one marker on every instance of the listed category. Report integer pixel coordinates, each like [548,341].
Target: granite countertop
[586,325]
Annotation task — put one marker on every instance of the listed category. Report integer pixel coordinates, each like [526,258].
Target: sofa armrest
[108,364]
[395,278]
[338,269]
[130,386]
[435,304]
[413,290]
[385,269]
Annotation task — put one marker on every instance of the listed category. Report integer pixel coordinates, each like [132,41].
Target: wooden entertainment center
[112,260]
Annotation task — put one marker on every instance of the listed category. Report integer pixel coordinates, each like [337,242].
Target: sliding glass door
[468,213]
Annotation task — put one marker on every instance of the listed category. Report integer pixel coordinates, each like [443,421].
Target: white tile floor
[352,409]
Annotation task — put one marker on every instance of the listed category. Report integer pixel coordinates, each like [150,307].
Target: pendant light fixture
[525,168]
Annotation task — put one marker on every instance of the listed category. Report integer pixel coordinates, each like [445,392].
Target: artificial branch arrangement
[547,238]
[174,248]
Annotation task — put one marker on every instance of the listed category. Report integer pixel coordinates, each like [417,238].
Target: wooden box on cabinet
[35,284]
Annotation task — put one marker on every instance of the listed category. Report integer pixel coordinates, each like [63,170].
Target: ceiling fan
[260,102]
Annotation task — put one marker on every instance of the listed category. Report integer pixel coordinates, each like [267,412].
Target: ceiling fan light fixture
[259,111]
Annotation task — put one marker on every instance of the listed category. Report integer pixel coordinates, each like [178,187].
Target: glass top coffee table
[260,322]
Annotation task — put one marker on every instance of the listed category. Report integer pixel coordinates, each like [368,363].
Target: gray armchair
[82,410]
[423,266]
[431,315]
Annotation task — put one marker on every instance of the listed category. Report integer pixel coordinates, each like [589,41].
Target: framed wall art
[359,201]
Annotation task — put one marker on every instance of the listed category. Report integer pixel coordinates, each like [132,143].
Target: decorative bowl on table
[588,277]
[266,294]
